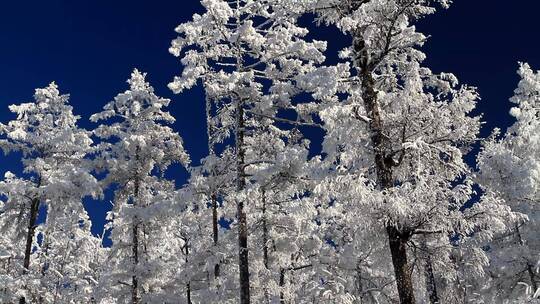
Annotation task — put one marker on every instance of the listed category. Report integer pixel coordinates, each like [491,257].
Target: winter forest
[406,203]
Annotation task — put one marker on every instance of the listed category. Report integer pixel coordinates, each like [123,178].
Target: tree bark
[243,258]
[34,210]
[135,296]
[402,268]
[281,285]
[383,163]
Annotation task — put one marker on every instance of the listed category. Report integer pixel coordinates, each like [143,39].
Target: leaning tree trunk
[397,238]
[34,210]
[243,260]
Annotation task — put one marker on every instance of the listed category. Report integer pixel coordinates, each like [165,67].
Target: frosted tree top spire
[139,102]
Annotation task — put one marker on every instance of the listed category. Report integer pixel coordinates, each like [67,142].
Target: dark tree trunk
[135,296]
[34,210]
[383,163]
[243,258]
[213,196]
[135,251]
[281,285]
[429,274]
[402,268]
[188,285]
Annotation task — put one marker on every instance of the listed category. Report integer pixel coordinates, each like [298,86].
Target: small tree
[137,148]
[53,148]
[509,166]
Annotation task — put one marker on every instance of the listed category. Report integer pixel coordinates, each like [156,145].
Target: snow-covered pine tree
[400,134]
[247,54]
[54,151]
[137,146]
[509,166]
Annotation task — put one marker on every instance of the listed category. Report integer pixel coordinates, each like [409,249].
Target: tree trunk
[530,268]
[188,285]
[402,268]
[383,163]
[135,251]
[243,260]
[265,231]
[281,285]
[34,210]
[431,285]
[135,297]
[215,229]
[213,196]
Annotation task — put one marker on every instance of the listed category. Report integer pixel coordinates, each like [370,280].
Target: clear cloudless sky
[89,47]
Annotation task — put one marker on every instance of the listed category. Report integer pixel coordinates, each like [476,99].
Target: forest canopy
[405,202]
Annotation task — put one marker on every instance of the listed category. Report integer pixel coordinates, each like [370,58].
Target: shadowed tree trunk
[243,259]
[281,285]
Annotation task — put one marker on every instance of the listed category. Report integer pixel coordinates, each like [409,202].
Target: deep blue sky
[90,47]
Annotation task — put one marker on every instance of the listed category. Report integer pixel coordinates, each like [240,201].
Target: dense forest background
[172,146]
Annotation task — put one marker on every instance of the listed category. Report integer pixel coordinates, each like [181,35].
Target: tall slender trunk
[429,274]
[265,231]
[213,196]
[34,210]
[188,285]
[243,259]
[135,299]
[383,163]
[265,239]
[135,296]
